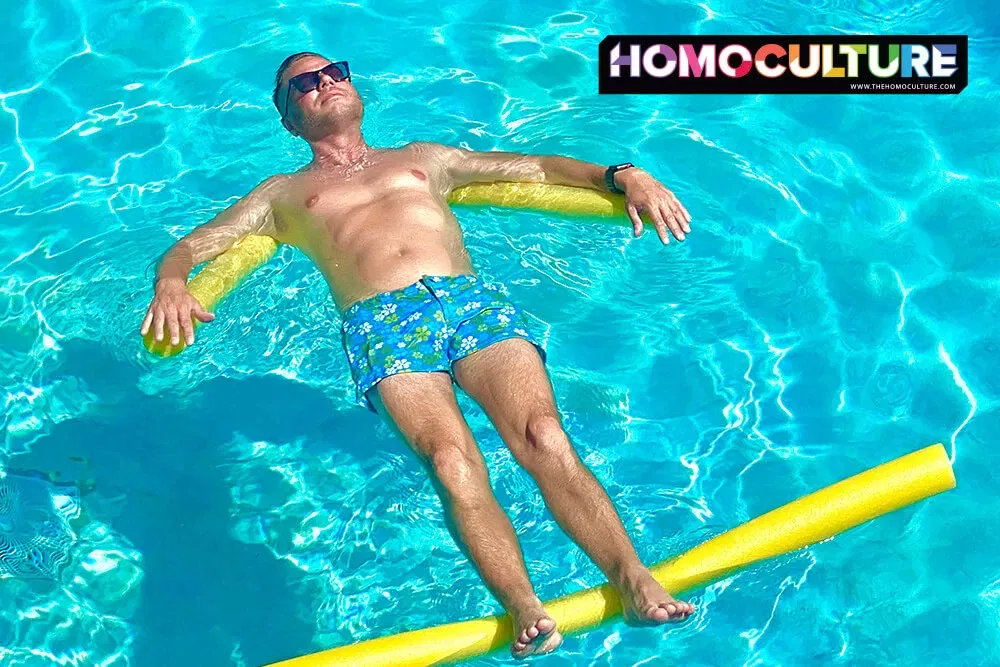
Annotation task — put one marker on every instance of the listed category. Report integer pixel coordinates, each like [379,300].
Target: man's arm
[250,215]
[172,304]
[643,193]
[465,166]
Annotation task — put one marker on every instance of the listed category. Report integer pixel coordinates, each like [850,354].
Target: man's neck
[342,151]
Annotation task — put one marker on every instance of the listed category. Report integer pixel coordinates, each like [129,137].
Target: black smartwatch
[609,176]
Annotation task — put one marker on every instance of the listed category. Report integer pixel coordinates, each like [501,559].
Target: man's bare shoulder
[423,146]
[441,154]
[274,187]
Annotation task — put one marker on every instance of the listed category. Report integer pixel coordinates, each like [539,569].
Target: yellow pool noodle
[800,523]
[216,280]
[225,272]
[560,199]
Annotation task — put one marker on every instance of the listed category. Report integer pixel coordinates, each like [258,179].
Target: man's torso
[376,230]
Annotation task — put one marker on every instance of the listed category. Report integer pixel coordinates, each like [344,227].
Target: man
[415,316]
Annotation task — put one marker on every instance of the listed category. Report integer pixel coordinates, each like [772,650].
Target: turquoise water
[834,308]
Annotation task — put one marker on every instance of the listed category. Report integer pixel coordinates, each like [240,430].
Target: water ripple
[825,315]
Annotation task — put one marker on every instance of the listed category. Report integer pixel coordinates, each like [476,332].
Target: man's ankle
[627,572]
[521,602]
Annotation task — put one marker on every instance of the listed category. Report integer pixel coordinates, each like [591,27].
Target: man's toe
[676,611]
[656,613]
[551,643]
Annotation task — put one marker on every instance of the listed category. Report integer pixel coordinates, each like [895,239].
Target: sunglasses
[309,81]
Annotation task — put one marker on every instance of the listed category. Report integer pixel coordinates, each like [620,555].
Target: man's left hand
[645,194]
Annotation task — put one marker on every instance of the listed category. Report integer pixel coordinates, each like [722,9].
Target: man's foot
[534,633]
[646,602]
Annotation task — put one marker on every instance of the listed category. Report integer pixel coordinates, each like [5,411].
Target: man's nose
[325,80]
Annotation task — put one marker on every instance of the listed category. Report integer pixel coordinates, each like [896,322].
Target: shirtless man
[415,316]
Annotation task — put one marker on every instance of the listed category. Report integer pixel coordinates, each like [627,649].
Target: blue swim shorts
[426,327]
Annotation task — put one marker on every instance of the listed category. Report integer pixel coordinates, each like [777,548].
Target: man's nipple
[312,201]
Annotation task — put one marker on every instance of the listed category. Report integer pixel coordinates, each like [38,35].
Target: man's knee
[545,442]
[455,464]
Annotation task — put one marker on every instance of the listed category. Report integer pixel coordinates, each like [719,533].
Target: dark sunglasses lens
[305,82]
[337,71]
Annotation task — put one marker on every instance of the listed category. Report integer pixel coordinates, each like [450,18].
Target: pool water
[834,307]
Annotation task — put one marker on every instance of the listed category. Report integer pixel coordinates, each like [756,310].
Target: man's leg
[509,381]
[423,410]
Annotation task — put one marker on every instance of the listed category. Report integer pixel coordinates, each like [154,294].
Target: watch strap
[609,176]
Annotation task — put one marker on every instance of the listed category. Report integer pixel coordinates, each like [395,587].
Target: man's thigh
[509,381]
[422,409]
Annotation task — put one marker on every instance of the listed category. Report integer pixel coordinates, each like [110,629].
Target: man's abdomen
[392,248]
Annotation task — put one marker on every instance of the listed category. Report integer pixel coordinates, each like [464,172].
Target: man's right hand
[174,305]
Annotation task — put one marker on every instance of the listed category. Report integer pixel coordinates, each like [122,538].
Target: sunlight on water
[826,314]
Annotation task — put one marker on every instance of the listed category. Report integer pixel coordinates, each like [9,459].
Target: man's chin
[332,121]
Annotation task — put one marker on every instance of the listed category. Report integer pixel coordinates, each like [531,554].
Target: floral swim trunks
[426,327]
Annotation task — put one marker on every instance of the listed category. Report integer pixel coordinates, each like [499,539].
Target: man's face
[332,106]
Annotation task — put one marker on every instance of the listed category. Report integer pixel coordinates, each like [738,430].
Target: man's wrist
[624,177]
[620,178]
[169,282]
[613,174]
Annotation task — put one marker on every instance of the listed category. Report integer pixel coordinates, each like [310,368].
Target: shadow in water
[204,592]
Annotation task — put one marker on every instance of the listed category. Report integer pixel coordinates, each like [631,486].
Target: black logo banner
[840,64]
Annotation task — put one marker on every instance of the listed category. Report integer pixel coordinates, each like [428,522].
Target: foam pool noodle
[803,522]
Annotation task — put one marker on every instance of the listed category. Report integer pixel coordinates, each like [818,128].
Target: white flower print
[468,343]
[384,312]
[399,365]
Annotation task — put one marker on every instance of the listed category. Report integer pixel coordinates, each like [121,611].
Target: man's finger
[672,220]
[187,326]
[174,326]
[683,217]
[203,314]
[633,214]
[158,324]
[146,321]
[685,214]
[661,226]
